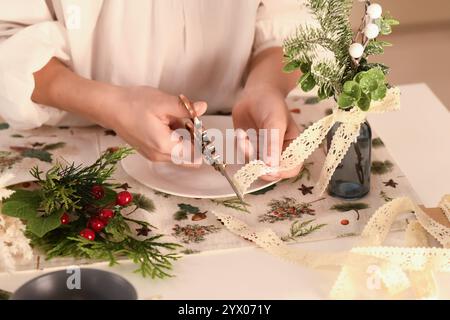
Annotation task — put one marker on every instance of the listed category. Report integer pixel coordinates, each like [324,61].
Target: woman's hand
[146,117]
[265,108]
[143,116]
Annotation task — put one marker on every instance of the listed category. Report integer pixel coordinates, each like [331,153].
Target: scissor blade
[222,170]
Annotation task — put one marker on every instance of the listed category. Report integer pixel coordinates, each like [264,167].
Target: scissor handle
[188,105]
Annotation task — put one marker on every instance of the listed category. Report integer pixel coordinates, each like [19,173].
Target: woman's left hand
[265,108]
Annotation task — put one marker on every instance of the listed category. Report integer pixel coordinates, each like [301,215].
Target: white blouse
[200,48]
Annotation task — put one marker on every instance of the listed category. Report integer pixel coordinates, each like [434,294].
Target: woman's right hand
[145,118]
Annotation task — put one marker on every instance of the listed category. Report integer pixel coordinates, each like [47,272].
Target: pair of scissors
[205,144]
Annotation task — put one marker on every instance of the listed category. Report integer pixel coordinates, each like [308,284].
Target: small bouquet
[78,212]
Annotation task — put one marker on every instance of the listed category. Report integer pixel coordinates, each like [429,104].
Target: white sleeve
[29,38]
[276,20]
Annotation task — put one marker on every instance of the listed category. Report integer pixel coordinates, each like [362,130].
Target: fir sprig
[67,190]
[68,187]
[321,52]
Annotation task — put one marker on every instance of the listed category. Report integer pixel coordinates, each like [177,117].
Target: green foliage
[385,197]
[365,87]
[350,206]
[330,40]
[42,155]
[184,210]
[381,167]
[385,24]
[4,126]
[301,229]
[143,202]
[333,34]
[233,203]
[377,143]
[25,205]
[68,189]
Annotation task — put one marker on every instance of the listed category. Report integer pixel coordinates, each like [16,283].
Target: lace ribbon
[397,268]
[305,144]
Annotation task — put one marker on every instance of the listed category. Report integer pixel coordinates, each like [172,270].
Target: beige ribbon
[305,144]
[396,268]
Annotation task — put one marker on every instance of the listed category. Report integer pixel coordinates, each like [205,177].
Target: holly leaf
[22,204]
[37,154]
[40,226]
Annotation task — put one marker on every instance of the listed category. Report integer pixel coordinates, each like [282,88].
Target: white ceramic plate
[203,182]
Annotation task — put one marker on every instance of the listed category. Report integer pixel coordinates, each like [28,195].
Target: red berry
[106,214]
[345,222]
[88,234]
[97,192]
[65,219]
[123,198]
[96,224]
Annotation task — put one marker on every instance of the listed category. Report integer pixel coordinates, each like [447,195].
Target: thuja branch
[76,212]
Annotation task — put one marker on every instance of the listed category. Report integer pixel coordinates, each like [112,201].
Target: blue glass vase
[351,180]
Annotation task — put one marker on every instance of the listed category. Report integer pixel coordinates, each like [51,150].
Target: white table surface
[418,138]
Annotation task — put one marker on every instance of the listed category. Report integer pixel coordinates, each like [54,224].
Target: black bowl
[94,285]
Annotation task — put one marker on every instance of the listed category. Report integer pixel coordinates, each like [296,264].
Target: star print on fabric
[306,190]
[391,183]
[143,231]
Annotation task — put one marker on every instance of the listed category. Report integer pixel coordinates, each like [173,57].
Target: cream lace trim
[305,144]
[398,268]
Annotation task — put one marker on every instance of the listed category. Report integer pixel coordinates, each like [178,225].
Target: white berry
[371,31]
[356,50]
[374,11]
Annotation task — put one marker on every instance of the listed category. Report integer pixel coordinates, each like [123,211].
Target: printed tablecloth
[291,207]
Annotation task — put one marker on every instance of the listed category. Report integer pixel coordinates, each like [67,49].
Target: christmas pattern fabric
[291,208]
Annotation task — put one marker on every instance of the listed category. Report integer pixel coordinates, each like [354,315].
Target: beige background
[421,51]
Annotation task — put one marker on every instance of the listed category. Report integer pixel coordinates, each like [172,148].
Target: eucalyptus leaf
[368,84]
[380,93]
[352,89]
[364,102]
[359,76]
[345,101]
[377,74]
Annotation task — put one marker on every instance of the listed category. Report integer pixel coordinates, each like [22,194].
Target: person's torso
[196,47]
